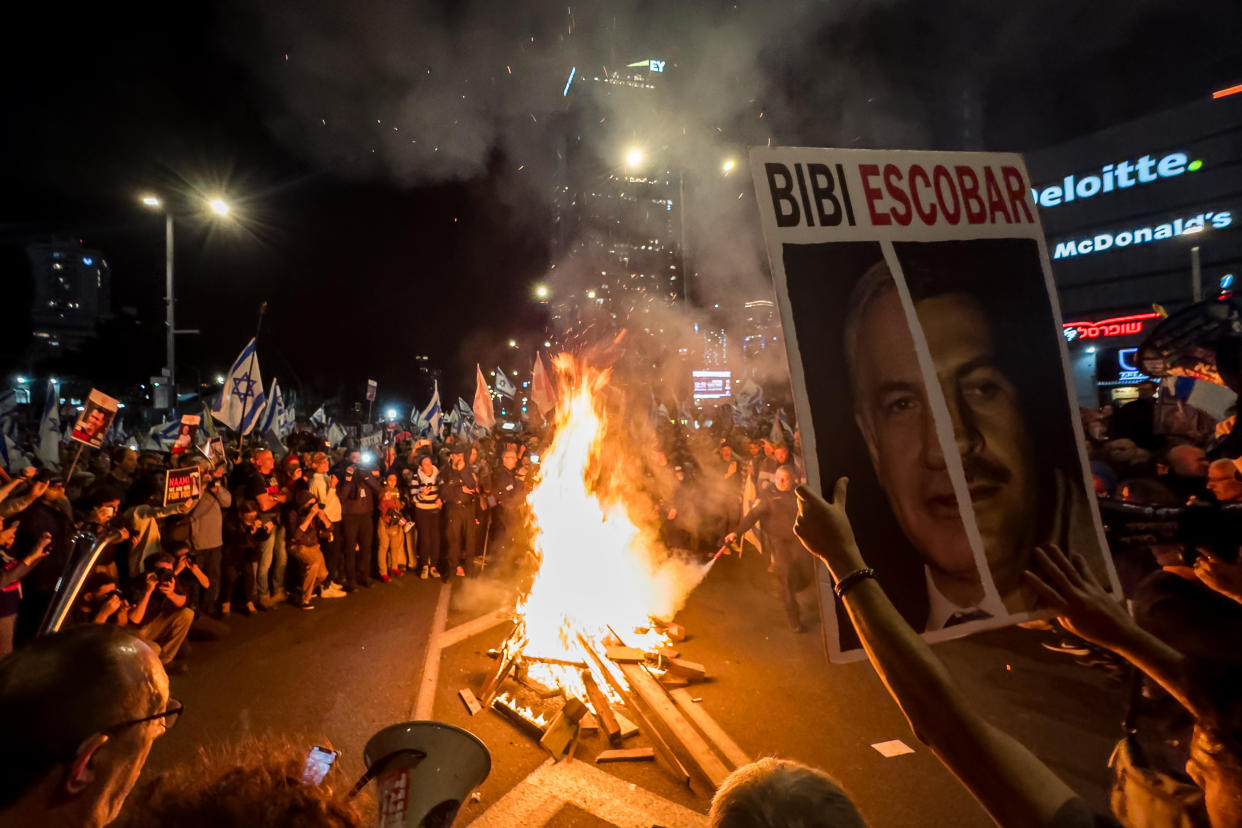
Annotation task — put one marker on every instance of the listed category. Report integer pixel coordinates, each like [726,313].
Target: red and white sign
[1116,326]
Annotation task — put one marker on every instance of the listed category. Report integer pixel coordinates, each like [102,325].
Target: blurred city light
[634,157]
[151,201]
[727,166]
[218,206]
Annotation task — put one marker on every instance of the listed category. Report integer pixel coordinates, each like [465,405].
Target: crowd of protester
[263,531]
[315,524]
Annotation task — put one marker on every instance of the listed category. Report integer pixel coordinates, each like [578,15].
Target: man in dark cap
[85,706]
[460,489]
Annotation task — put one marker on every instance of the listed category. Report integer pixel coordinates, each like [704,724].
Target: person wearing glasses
[84,707]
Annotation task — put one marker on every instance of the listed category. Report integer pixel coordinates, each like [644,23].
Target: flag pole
[254,354]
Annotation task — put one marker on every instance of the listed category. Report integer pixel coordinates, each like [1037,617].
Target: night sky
[370,248]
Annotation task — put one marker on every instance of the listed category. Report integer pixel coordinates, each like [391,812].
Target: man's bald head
[1188,461]
[63,688]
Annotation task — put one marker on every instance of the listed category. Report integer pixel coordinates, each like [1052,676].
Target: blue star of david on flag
[241,400]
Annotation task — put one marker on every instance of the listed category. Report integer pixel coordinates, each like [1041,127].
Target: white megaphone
[425,771]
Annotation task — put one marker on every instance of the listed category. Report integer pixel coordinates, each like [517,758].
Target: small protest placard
[185,437]
[95,419]
[181,485]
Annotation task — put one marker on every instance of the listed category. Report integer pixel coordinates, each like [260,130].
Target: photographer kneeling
[159,613]
[193,582]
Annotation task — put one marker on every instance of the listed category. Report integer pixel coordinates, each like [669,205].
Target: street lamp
[154,202]
[512,343]
[727,166]
[541,291]
[634,157]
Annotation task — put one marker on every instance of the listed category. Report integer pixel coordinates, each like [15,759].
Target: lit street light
[220,208]
[634,157]
[541,291]
[512,343]
[727,166]
[219,379]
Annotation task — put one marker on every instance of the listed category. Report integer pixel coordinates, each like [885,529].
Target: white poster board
[924,275]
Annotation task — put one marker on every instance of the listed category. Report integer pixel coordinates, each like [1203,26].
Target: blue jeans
[273,558]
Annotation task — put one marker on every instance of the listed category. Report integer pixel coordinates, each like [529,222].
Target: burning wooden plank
[534,685]
[715,734]
[508,708]
[626,755]
[507,661]
[689,670]
[682,732]
[663,751]
[603,710]
[625,655]
[675,631]
[628,728]
[561,662]
[468,698]
[563,728]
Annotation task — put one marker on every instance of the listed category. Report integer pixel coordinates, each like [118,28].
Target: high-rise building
[618,237]
[72,292]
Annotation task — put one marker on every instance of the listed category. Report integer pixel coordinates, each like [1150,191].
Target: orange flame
[598,571]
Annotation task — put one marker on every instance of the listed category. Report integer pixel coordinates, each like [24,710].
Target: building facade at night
[618,223]
[1147,212]
[72,293]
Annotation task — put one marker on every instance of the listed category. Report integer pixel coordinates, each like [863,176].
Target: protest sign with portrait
[928,364]
[95,419]
[186,434]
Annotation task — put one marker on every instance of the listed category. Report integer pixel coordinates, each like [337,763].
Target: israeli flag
[432,416]
[11,456]
[464,410]
[319,418]
[336,433]
[503,384]
[240,401]
[163,436]
[784,421]
[416,419]
[49,429]
[749,396]
[8,412]
[1216,401]
[277,420]
[741,419]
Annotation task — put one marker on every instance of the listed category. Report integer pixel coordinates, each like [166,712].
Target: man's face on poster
[94,421]
[896,419]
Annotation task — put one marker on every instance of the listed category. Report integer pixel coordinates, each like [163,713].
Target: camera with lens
[164,575]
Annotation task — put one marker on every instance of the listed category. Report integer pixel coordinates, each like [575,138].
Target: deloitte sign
[1119,176]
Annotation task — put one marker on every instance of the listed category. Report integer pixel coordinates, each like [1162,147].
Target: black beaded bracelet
[849,580]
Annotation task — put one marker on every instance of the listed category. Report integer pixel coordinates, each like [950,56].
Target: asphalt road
[354,665]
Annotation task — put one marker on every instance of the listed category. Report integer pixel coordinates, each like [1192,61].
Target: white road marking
[425,704]
[472,628]
[553,785]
